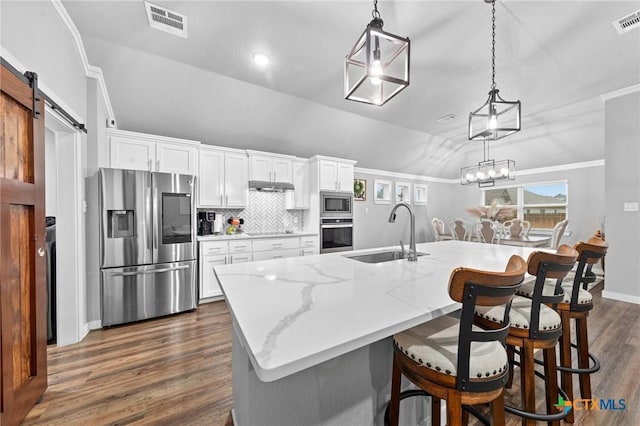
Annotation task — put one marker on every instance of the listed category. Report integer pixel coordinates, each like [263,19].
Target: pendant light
[487,172]
[377,67]
[497,118]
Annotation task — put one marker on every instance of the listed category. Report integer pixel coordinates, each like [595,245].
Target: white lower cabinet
[216,253]
[209,286]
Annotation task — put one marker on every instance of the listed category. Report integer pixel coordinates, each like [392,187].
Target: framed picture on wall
[359,189]
[382,192]
[419,193]
[403,192]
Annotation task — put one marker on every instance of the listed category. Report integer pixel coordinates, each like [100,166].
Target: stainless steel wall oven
[336,234]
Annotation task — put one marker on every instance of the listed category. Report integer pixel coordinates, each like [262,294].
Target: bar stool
[534,325]
[576,304]
[452,359]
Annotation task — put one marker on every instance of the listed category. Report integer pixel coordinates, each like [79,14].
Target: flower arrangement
[496,212]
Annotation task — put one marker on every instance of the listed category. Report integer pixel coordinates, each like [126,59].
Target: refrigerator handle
[147,220]
[150,271]
[157,218]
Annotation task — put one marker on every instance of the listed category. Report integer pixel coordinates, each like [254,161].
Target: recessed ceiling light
[261,59]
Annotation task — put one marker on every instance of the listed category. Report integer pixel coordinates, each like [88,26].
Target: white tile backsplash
[266,212]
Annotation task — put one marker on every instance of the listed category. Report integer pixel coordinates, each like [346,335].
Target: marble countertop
[245,236]
[295,313]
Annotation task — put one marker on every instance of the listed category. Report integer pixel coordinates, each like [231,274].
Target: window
[541,204]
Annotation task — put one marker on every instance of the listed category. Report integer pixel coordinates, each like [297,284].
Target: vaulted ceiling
[550,55]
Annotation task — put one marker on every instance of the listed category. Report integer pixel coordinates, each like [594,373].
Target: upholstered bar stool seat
[434,345]
[584,296]
[520,314]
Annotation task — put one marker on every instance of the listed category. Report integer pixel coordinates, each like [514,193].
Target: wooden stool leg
[465,417]
[551,373]
[497,410]
[511,354]
[454,408]
[565,360]
[583,357]
[435,411]
[527,380]
[394,404]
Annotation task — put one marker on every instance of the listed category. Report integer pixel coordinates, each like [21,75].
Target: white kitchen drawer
[275,244]
[308,251]
[276,254]
[243,246]
[309,242]
[240,257]
[213,247]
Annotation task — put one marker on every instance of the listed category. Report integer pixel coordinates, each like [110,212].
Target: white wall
[50,174]
[371,221]
[33,33]
[622,184]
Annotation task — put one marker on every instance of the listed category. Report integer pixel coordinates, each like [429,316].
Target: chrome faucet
[413,255]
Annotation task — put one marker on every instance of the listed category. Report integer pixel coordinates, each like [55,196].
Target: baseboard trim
[95,325]
[621,297]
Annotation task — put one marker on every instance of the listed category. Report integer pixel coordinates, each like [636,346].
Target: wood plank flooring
[177,370]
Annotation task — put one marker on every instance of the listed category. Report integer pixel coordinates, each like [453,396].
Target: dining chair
[450,358]
[438,229]
[487,231]
[535,326]
[516,228]
[557,233]
[459,230]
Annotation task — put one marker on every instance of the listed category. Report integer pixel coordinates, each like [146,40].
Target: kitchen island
[312,335]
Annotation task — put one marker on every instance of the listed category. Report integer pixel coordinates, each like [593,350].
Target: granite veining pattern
[294,313]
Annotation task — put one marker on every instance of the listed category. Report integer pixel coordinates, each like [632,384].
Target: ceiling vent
[166,20]
[628,23]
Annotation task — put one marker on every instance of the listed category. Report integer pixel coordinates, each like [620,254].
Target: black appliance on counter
[205,222]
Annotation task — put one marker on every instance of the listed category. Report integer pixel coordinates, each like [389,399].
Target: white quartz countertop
[245,236]
[295,313]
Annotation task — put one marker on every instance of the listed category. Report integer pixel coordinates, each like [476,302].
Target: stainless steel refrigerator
[148,246]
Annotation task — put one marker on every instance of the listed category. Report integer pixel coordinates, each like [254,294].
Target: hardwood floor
[177,370]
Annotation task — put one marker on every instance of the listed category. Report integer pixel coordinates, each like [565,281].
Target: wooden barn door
[23,328]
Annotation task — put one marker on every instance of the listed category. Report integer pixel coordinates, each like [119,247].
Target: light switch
[630,207]
[366,210]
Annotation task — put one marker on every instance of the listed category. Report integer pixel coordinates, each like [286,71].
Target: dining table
[526,241]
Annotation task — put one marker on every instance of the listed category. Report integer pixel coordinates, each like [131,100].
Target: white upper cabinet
[138,151]
[223,178]
[336,175]
[299,197]
[271,168]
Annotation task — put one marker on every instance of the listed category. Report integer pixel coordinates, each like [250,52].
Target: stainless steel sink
[382,256]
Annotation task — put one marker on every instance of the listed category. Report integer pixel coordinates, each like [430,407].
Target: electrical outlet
[630,207]
[366,210]
[295,219]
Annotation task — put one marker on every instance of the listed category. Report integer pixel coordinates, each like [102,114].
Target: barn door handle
[40,252]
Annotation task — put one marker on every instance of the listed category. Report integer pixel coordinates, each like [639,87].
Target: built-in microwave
[336,204]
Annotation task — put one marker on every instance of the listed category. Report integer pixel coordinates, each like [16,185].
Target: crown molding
[560,167]
[620,92]
[90,71]
[403,175]
[539,170]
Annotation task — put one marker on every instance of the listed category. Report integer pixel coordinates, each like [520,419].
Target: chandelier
[487,172]
[377,67]
[497,118]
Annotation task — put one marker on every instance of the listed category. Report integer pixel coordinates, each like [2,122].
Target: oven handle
[350,225]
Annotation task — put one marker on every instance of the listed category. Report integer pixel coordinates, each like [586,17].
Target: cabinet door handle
[149,164]
[274,177]
[221,200]
[277,257]
[157,165]
[226,199]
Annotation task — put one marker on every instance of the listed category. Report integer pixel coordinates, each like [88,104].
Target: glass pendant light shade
[486,173]
[377,68]
[495,119]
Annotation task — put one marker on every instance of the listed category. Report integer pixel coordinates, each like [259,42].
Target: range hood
[266,186]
